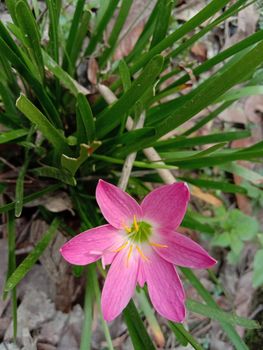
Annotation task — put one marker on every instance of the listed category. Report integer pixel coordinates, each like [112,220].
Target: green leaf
[139,336]
[32,257]
[150,316]
[111,117]
[118,25]
[229,329]
[188,26]
[11,4]
[27,199]
[43,124]
[53,11]
[184,336]
[145,36]
[12,135]
[86,334]
[9,103]
[97,35]
[162,21]
[243,172]
[125,75]
[257,269]
[246,227]
[241,92]
[85,121]
[77,17]
[72,164]
[80,37]
[195,224]
[232,10]
[214,160]
[222,240]
[136,163]
[13,54]
[11,235]
[55,173]
[183,142]
[219,315]
[30,32]
[206,93]
[220,57]
[65,79]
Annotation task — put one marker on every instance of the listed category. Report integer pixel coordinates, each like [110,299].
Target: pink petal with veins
[166,206]
[117,206]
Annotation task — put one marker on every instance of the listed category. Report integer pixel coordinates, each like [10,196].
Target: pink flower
[141,245]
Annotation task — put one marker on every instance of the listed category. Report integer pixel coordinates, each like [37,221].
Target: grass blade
[31,35]
[86,334]
[112,41]
[48,130]
[179,328]
[27,199]
[96,37]
[206,93]
[26,265]
[81,34]
[96,289]
[138,333]
[182,142]
[53,10]
[150,316]
[11,231]
[85,121]
[210,63]
[162,21]
[219,315]
[55,173]
[12,135]
[73,34]
[107,121]
[229,330]
[65,79]
[188,26]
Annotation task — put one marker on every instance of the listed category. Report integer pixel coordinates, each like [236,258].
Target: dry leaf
[57,202]
[199,51]
[206,197]
[92,70]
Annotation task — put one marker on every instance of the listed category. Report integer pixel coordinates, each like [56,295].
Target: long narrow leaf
[48,130]
[33,256]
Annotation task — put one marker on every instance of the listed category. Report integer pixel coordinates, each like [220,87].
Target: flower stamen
[120,248]
[126,228]
[129,254]
[158,245]
[136,226]
[142,254]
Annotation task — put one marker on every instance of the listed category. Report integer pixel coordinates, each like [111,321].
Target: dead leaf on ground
[57,202]
[56,267]
[92,70]
[31,315]
[138,15]
[199,51]
[246,25]
[206,197]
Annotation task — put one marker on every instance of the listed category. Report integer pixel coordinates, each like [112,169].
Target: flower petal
[119,285]
[117,207]
[183,251]
[141,279]
[88,246]
[166,206]
[165,288]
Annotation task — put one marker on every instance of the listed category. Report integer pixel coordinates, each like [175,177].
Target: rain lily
[142,246]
